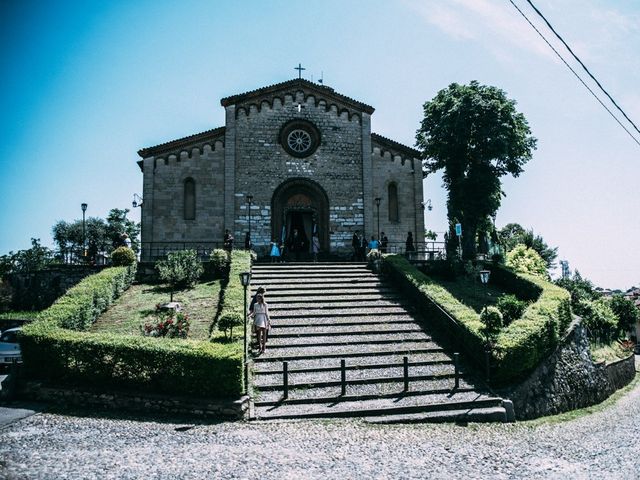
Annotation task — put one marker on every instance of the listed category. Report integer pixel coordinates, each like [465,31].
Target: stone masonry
[336,181]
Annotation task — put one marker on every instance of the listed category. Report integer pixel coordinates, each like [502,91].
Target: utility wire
[582,64]
[575,73]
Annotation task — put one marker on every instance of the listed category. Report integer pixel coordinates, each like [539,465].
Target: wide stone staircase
[346,344]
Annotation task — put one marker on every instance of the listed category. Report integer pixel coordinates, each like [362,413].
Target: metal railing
[150,251]
[406,378]
[430,250]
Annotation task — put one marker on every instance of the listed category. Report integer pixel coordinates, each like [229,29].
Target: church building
[294,155]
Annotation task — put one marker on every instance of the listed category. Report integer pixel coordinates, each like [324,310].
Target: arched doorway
[302,204]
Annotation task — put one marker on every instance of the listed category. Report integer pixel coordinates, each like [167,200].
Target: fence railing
[150,251]
[430,250]
[406,378]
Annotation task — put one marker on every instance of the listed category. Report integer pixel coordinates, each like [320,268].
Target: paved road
[605,444]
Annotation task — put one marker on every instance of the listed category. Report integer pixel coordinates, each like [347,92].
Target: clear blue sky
[85,84]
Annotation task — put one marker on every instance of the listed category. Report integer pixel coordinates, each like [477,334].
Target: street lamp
[84,206]
[427,205]
[378,200]
[484,276]
[137,201]
[249,201]
[245,279]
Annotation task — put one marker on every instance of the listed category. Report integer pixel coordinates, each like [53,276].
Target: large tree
[513,234]
[474,133]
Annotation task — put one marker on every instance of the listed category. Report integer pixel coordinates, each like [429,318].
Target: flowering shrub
[170,324]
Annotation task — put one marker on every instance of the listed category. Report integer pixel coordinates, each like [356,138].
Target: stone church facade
[306,156]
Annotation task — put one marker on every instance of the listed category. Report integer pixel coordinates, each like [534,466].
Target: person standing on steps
[296,244]
[384,242]
[409,247]
[275,253]
[228,241]
[315,246]
[355,243]
[254,299]
[261,321]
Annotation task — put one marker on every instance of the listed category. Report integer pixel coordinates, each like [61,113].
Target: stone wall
[569,379]
[38,290]
[388,168]
[163,217]
[124,401]
[262,164]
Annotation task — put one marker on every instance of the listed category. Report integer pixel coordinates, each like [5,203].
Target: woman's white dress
[260,315]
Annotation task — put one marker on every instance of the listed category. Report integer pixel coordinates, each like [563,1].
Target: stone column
[418,199]
[230,168]
[367,175]
[146,215]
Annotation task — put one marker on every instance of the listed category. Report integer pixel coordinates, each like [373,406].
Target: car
[9,347]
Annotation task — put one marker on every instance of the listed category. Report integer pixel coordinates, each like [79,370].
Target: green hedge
[232,307]
[520,346]
[56,350]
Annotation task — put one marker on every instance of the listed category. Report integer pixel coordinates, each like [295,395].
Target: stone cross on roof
[299,68]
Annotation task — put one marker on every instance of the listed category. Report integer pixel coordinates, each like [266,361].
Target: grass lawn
[608,353]
[137,306]
[472,292]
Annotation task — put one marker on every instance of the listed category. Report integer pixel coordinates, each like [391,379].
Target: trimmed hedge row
[81,305]
[55,350]
[520,346]
[232,307]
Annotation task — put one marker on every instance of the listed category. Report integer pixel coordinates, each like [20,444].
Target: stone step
[352,362]
[302,265]
[321,298]
[312,274]
[354,376]
[278,304]
[368,408]
[307,331]
[345,351]
[276,291]
[430,389]
[322,282]
[344,320]
[473,415]
[376,338]
[352,311]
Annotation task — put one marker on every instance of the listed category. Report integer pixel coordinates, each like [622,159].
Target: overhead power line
[581,64]
[575,73]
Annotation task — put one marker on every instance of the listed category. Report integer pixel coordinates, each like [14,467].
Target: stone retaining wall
[147,403]
[569,379]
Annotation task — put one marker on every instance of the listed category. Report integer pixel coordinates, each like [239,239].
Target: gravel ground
[600,445]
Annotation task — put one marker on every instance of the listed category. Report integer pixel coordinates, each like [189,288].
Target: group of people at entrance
[361,246]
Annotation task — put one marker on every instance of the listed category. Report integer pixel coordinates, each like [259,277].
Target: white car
[9,347]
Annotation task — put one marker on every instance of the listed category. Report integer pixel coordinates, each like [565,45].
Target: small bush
[491,319]
[169,324]
[180,269]
[228,322]
[123,257]
[600,319]
[511,308]
[219,262]
[527,260]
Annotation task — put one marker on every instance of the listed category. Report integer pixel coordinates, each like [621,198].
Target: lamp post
[378,200]
[137,201]
[245,279]
[84,206]
[484,278]
[249,201]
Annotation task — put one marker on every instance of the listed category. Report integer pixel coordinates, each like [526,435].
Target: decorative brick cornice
[197,140]
[394,148]
[291,87]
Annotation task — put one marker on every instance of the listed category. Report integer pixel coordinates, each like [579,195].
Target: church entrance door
[300,205]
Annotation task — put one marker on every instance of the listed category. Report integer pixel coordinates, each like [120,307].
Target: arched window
[189,199]
[394,213]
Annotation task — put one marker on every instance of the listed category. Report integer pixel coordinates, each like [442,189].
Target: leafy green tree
[474,133]
[626,312]
[26,261]
[527,260]
[117,224]
[581,290]
[180,269]
[514,234]
[600,319]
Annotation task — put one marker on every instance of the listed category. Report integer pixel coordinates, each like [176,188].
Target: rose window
[299,141]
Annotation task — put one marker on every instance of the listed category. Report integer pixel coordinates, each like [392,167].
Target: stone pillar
[146,215]
[418,198]
[230,168]
[367,176]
